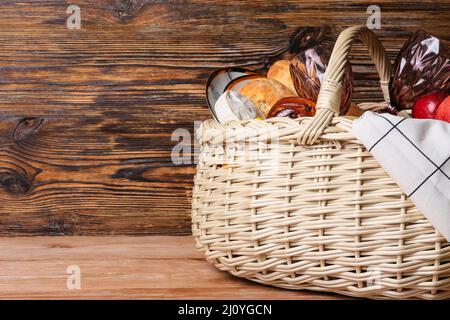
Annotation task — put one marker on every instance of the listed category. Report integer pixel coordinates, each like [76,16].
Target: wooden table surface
[155,267]
[86,116]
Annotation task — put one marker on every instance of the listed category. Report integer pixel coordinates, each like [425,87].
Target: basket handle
[329,99]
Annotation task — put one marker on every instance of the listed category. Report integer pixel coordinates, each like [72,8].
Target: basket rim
[212,131]
[339,129]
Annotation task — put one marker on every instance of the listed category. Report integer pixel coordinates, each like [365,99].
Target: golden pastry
[264,93]
[280,71]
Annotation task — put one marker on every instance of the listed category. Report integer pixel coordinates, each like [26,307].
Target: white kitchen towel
[416,154]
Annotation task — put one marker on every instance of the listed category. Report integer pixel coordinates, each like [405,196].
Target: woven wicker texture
[323,216]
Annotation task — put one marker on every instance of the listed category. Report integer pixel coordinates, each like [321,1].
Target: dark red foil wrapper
[307,72]
[421,67]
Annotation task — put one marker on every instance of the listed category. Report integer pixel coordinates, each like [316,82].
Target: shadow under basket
[302,204]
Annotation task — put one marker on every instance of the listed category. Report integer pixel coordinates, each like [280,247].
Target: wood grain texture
[86,115]
[123,268]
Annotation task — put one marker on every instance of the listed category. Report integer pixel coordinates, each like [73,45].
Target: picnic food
[218,82]
[425,107]
[264,93]
[422,66]
[421,70]
[308,69]
[238,83]
[293,107]
[234,106]
[280,71]
[443,111]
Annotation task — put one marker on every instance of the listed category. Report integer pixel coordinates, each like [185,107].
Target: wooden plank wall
[86,116]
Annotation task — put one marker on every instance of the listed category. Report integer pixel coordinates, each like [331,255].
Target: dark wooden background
[86,116]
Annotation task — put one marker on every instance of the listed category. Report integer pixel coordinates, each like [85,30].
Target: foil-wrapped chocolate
[308,69]
[421,67]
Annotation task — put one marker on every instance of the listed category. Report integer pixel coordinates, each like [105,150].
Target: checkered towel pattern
[416,154]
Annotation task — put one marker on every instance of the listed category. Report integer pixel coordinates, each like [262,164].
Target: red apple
[425,107]
[443,111]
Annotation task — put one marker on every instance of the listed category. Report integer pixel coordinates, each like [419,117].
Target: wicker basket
[301,204]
